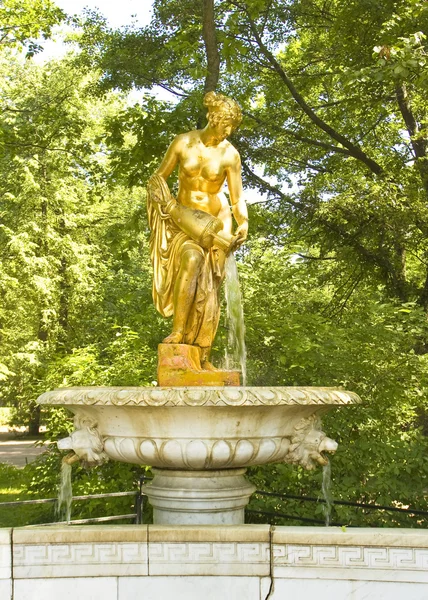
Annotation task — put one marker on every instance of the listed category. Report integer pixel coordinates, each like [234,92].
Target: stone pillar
[199,497]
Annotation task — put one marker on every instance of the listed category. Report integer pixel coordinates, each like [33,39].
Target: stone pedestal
[179,365]
[199,497]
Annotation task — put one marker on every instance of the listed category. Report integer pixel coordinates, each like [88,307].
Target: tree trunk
[417,140]
[211,49]
[34,422]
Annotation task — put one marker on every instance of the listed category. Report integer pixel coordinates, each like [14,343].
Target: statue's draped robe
[167,243]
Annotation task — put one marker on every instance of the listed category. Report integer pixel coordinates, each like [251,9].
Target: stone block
[208,533]
[207,550]
[85,588]
[353,536]
[284,589]
[5,554]
[179,366]
[393,555]
[189,588]
[6,589]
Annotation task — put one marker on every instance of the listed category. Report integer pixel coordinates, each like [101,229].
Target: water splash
[237,352]
[326,492]
[65,493]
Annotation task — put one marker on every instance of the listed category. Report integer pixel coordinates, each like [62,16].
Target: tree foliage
[24,22]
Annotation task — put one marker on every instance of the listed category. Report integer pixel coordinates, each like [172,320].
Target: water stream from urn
[236,351]
[65,493]
[326,492]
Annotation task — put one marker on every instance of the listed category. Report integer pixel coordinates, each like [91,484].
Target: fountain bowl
[199,439]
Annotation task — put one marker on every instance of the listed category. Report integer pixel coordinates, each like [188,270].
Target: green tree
[71,245]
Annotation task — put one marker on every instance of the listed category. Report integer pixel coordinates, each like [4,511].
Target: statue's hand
[242,233]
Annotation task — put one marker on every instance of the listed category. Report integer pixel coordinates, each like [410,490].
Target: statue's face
[223,128]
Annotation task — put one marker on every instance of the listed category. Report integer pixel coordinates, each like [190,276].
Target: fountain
[199,429]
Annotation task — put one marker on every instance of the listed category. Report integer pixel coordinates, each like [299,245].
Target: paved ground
[18,450]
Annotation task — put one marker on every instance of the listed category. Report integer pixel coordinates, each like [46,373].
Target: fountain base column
[199,497]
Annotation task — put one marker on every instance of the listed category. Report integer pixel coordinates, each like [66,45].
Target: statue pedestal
[179,365]
[199,497]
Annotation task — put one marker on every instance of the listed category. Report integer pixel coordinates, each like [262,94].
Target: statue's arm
[170,159]
[239,207]
[158,191]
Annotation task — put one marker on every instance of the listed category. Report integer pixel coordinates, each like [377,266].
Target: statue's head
[222,109]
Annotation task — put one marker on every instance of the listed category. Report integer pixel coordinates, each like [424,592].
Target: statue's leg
[184,291]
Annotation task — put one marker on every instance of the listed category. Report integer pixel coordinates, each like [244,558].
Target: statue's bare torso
[202,173]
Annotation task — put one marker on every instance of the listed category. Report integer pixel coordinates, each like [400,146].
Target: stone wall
[248,562]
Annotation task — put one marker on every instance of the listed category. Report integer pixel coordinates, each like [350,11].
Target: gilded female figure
[192,234]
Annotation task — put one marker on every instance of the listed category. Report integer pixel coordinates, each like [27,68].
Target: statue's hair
[220,107]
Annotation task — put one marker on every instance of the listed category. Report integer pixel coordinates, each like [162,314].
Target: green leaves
[23,21]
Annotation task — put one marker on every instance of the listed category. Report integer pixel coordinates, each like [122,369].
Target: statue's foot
[207,366]
[176,337]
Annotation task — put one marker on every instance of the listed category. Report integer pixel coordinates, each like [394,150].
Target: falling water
[235,317]
[326,492]
[65,493]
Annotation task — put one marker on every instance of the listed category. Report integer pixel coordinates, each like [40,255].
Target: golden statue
[192,235]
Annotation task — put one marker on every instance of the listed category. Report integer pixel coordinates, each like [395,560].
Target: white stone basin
[203,428]
[188,433]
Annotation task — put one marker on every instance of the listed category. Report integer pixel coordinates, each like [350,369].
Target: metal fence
[139,503]
[136,517]
[360,505]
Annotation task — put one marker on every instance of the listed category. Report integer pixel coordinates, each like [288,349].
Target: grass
[12,488]
[38,481]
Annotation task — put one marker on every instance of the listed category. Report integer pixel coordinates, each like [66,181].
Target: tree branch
[41,147]
[269,187]
[390,274]
[310,257]
[419,143]
[354,151]
[303,162]
[299,137]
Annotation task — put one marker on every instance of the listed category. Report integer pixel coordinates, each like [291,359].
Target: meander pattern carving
[285,555]
[79,554]
[214,553]
[289,555]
